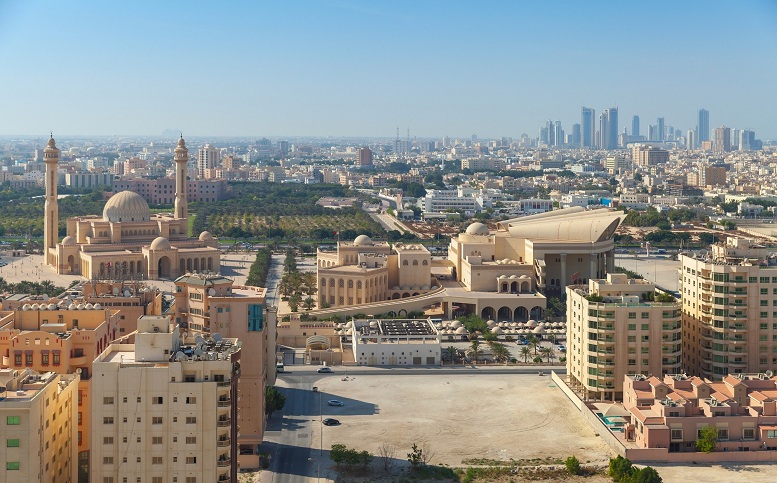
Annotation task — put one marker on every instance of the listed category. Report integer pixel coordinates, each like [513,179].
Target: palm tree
[500,352]
[547,352]
[474,351]
[525,352]
[534,342]
[452,353]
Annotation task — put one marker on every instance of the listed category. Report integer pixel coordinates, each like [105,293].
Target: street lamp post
[321,426]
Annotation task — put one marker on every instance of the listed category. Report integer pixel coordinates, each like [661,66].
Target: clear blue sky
[349,68]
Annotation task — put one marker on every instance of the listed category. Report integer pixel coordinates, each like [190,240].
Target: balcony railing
[223,422]
[222,442]
[224,403]
[223,383]
[222,463]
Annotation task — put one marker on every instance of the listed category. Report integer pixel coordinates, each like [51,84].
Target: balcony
[78,360]
[738,340]
[222,423]
[223,462]
[738,328]
[221,443]
[224,403]
[223,383]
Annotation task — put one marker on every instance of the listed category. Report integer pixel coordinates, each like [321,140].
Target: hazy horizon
[346,69]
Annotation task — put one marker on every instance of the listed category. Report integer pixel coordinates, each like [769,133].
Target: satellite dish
[115,291]
[127,293]
[199,339]
[180,357]
[198,352]
[45,298]
[185,334]
[769,373]
[211,292]
[217,337]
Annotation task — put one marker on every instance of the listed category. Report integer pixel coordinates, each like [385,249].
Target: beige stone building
[364,271]
[729,310]
[615,329]
[209,305]
[37,416]
[543,252]
[127,241]
[64,339]
[165,410]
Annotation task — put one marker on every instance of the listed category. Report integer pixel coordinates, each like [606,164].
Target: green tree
[308,303]
[500,353]
[708,439]
[273,400]
[474,351]
[452,351]
[534,342]
[526,353]
[619,468]
[644,475]
[573,465]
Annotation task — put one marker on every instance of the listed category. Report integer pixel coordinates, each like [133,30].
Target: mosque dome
[160,243]
[206,236]
[126,206]
[362,240]
[68,241]
[477,229]
[181,148]
[51,147]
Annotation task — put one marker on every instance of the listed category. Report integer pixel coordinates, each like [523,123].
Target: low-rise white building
[396,342]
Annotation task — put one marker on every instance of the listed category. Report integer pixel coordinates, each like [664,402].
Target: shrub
[573,465]
[708,438]
[619,468]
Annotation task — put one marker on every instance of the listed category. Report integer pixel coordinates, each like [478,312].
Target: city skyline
[342,68]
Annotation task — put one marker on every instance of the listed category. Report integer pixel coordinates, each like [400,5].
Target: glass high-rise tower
[635,126]
[588,128]
[703,126]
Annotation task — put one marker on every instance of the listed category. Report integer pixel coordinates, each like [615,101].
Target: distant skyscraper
[660,136]
[207,158]
[690,139]
[608,125]
[652,133]
[558,134]
[576,139]
[365,157]
[722,140]
[703,126]
[635,126]
[588,128]
[744,140]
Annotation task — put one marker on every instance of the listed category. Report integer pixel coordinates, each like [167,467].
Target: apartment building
[64,339]
[667,414]
[165,410]
[729,303]
[161,191]
[211,304]
[616,327]
[37,415]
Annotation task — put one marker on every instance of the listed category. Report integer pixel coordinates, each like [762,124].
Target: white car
[324,370]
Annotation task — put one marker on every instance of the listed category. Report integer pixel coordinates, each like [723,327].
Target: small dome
[88,306]
[490,323]
[126,206]
[68,241]
[181,145]
[461,331]
[71,307]
[206,236]
[538,330]
[34,306]
[496,330]
[52,306]
[477,229]
[51,147]
[160,243]
[363,240]
[531,323]
[98,307]
[26,307]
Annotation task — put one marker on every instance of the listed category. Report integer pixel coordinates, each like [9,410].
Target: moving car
[331,422]
[325,370]
[335,402]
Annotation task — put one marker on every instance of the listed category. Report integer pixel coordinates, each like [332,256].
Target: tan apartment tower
[37,416]
[181,157]
[51,227]
[616,327]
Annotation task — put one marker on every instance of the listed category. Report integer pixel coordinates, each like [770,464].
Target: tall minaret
[51,216]
[181,158]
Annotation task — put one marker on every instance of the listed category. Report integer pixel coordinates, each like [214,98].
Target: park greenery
[283,211]
[45,287]
[622,470]
[257,274]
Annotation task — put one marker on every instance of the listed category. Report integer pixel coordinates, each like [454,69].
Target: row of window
[29,360]
[108,400]
[155,460]
[154,419]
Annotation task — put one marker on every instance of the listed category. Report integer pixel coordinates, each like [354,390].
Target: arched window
[340,283]
[404,262]
[415,263]
[350,283]
[359,284]
[323,282]
[425,262]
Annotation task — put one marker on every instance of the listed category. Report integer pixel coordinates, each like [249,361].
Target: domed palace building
[127,241]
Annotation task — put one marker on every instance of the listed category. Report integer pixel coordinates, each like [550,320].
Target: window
[191,479]
[191,440]
[12,465]
[191,419]
[191,460]
[108,420]
[677,435]
[12,443]
[748,433]
[107,479]
[56,358]
[645,315]
[157,400]
[108,440]
[723,434]
[12,420]
[632,315]
[107,400]
[17,359]
[156,479]
[44,358]
[156,440]
[645,327]
[191,400]
[107,460]
[632,326]
[156,420]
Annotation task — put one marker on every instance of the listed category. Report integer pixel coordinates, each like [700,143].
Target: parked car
[331,422]
[335,402]
[325,370]
[561,348]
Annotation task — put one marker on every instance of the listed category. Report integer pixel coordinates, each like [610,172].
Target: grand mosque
[127,241]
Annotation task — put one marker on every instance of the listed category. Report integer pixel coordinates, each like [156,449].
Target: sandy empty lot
[459,417]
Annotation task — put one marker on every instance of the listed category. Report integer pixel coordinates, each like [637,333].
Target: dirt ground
[463,420]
